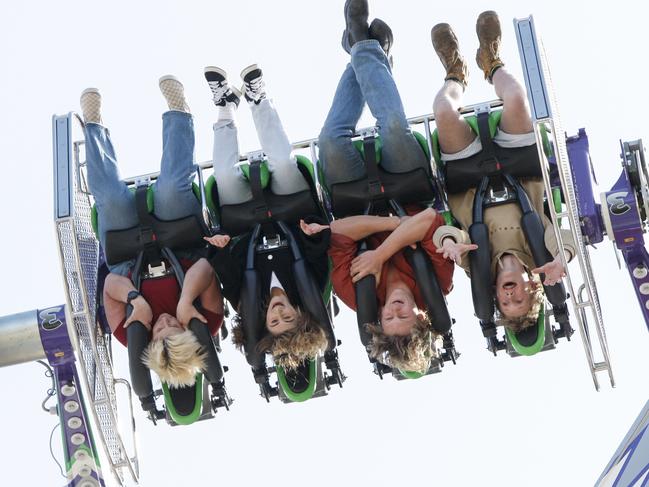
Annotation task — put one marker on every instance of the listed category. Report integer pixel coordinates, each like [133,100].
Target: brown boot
[448,49]
[488,55]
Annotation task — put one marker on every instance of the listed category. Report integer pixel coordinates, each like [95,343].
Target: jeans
[173,194]
[233,187]
[368,78]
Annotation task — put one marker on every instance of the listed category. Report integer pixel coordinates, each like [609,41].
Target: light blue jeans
[367,79]
[173,194]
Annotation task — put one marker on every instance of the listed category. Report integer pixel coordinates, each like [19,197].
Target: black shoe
[381,32]
[356,14]
[253,82]
[222,93]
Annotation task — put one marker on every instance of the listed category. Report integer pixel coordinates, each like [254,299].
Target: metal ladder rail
[543,106]
[72,205]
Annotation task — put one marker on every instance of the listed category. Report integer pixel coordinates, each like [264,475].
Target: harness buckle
[502,195]
[157,271]
[271,243]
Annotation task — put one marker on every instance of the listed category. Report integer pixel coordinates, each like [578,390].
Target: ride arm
[359,227]
[116,290]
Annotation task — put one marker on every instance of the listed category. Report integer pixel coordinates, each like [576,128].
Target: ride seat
[241,218]
[182,233]
[414,186]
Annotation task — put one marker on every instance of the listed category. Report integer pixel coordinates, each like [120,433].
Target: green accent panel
[472,120]
[298,396]
[265,173]
[556,199]
[422,142]
[547,146]
[210,184]
[409,374]
[306,162]
[448,218]
[195,414]
[326,293]
[540,338]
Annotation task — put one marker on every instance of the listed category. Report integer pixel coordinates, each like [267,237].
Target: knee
[329,142]
[443,106]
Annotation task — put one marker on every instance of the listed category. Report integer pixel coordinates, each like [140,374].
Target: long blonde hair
[305,341]
[411,352]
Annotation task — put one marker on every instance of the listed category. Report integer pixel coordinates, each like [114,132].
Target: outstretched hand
[369,262]
[455,251]
[219,241]
[311,229]
[186,311]
[553,271]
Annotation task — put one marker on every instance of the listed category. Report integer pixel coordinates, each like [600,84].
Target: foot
[174,93]
[356,14]
[91,105]
[489,34]
[381,32]
[254,87]
[222,93]
[447,48]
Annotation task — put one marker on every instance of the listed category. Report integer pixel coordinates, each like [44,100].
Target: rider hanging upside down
[404,331]
[292,335]
[174,352]
[518,291]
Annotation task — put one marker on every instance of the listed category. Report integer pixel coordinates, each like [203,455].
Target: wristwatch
[132,295]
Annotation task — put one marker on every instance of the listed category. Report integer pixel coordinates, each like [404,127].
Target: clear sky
[486,421]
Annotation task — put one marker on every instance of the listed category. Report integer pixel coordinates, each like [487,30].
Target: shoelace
[219,91]
[255,87]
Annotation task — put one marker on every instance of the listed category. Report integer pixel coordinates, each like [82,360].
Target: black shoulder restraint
[480,259]
[374,183]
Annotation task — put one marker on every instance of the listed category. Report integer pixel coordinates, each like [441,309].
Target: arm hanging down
[200,281]
[116,290]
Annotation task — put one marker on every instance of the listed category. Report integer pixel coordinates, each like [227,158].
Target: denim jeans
[173,194]
[367,79]
[286,177]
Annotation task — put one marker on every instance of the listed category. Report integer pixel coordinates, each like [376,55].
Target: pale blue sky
[505,422]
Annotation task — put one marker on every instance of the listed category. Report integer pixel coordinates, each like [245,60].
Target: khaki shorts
[503,139]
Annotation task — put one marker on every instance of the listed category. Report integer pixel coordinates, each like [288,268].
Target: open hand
[186,311]
[219,241]
[312,228]
[142,312]
[369,262]
[455,251]
[553,271]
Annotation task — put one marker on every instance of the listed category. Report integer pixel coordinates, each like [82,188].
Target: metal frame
[544,112]
[79,258]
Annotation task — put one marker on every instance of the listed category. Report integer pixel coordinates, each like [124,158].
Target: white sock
[226,112]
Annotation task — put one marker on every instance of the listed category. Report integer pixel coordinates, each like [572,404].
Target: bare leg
[516,115]
[454,133]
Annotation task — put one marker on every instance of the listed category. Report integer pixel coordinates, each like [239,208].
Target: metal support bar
[544,113]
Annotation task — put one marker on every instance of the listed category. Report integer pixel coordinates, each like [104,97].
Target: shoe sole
[248,69]
[215,69]
[90,90]
[168,77]
[236,92]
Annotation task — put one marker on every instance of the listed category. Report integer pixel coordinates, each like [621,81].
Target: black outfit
[229,263]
